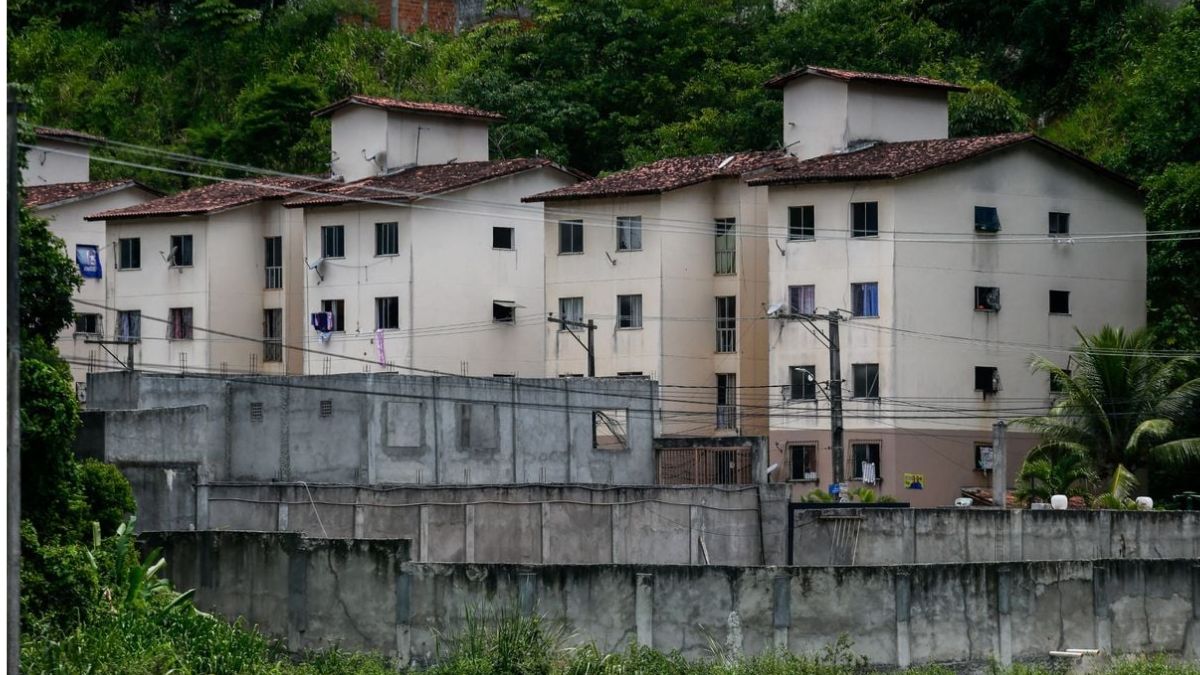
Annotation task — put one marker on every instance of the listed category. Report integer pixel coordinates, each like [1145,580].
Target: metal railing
[726,416]
[272,350]
[705,466]
[726,339]
[726,262]
[275,277]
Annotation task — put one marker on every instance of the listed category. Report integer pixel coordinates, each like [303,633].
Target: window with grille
[803,461]
[1060,224]
[387,239]
[629,311]
[181,250]
[326,408]
[802,299]
[333,241]
[570,236]
[272,335]
[570,309]
[256,411]
[502,238]
[864,299]
[629,233]
[727,324]
[801,223]
[273,247]
[864,219]
[866,380]
[387,313]
[179,323]
[726,401]
[803,383]
[726,246]
[129,254]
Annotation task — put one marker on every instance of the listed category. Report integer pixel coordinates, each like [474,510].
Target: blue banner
[88,258]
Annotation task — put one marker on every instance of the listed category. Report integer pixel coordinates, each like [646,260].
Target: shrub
[108,494]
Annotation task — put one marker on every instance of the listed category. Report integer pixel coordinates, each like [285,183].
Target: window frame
[856,465]
[273,253]
[1066,298]
[809,451]
[1059,224]
[858,300]
[725,246]
[121,315]
[573,228]
[632,325]
[727,401]
[562,314]
[339,319]
[808,387]
[272,343]
[326,232]
[726,324]
[512,238]
[981,301]
[629,227]
[867,381]
[187,321]
[991,373]
[383,306]
[979,446]
[386,233]
[795,307]
[182,247]
[501,308]
[987,225]
[95,318]
[135,251]
[869,228]
[806,230]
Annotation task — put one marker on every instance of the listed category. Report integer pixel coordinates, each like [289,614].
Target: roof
[410,184]
[57,193]
[666,175]
[67,135]
[443,109]
[215,197]
[779,81]
[884,161]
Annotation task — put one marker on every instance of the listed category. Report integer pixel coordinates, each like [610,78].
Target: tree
[985,109]
[1054,471]
[1121,407]
[48,279]
[1173,204]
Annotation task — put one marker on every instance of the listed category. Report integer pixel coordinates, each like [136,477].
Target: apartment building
[669,262]
[425,260]
[949,261]
[210,280]
[58,187]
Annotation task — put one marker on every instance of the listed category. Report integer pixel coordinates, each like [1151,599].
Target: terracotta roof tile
[413,183]
[55,193]
[67,135]
[214,197]
[443,109]
[779,81]
[666,175]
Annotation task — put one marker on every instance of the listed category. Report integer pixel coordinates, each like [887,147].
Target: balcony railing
[726,340]
[726,261]
[272,350]
[275,277]
[726,416]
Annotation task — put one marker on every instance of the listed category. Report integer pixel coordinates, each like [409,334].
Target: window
[256,411]
[502,238]
[181,250]
[629,311]
[338,309]
[478,426]
[1056,383]
[326,408]
[273,247]
[802,299]
[129,325]
[88,324]
[609,429]
[570,309]
[727,324]
[504,311]
[987,379]
[179,323]
[987,299]
[864,299]
[865,453]
[1060,224]
[1060,302]
[864,219]
[387,313]
[387,239]
[987,219]
[800,223]
[634,374]
[129,255]
[804,383]
[803,461]
[726,246]
[570,236]
[272,335]
[866,380]
[983,457]
[629,233]
[726,401]
[333,241]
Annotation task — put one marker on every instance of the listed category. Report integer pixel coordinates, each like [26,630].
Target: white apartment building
[209,280]
[426,260]
[58,188]
[668,261]
[950,261]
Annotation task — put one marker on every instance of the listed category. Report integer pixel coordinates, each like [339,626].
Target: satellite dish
[775,310]
[725,162]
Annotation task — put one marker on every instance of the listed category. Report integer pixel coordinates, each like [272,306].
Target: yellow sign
[914,481]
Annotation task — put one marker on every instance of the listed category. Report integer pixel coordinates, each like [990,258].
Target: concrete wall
[536,524]
[301,590]
[56,161]
[919,536]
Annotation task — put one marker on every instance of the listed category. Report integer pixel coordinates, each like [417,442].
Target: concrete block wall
[917,536]
[298,589]
[536,524]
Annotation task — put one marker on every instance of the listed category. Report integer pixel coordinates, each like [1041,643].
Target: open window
[987,299]
[609,429]
[987,379]
[502,238]
[987,219]
[803,461]
[504,311]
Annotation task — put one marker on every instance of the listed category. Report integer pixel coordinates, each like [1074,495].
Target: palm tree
[1054,471]
[1120,407]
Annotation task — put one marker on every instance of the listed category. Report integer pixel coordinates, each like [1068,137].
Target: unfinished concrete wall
[567,524]
[318,593]
[908,536]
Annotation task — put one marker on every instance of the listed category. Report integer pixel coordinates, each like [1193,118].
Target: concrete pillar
[644,609]
[1004,614]
[469,533]
[297,605]
[527,593]
[423,535]
[696,536]
[781,610]
[403,617]
[285,434]
[1104,535]
[359,521]
[545,515]
[1016,536]
[903,608]
[201,522]
[281,518]
[1100,609]
[613,519]
[910,545]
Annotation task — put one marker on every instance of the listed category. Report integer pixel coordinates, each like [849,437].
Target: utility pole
[999,465]
[590,326]
[832,342]
[14,392]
